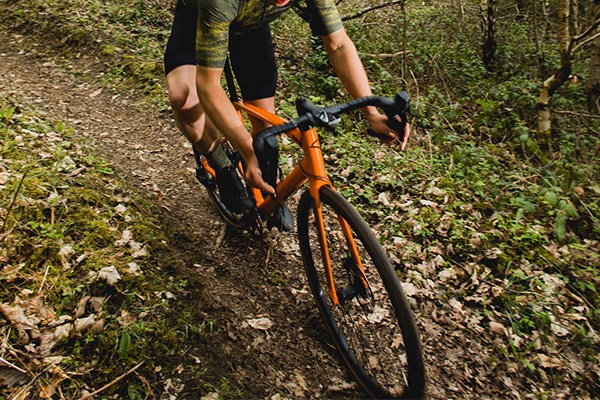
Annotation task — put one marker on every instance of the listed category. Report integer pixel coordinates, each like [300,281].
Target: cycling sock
[217,157]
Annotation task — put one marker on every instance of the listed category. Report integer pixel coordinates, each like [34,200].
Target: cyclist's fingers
[385,136]
[266,188]
[407,132]
[254,178]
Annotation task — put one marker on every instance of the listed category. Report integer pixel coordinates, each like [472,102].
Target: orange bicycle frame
[312,169]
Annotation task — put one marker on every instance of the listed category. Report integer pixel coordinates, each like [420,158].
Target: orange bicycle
[356,288]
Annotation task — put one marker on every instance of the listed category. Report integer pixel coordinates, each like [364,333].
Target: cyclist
[202,35]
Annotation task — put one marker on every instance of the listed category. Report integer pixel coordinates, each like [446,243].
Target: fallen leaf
[65,254]
[261,324]
[110,275]
[550,362]
[137,249]
[498,328]
[383,198]
[10,377]
[49,339]
[559,330]
[378,315]
[125,238]
[83,324]
[409,289]
[428,203]
[16,316]
[301,386]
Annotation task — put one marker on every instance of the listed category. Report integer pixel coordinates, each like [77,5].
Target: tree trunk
[555,81]
[488,15]
[594,88]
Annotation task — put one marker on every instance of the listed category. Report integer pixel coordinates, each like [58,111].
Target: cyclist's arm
[349,69]
[223,115]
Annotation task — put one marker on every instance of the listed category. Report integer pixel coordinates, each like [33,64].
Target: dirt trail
[239,281]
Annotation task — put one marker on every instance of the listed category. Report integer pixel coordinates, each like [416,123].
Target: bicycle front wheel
[371,323]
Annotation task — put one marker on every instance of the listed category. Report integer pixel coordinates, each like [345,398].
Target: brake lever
[397,115]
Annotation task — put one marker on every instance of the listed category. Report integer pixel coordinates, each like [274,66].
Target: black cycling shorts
[251,53]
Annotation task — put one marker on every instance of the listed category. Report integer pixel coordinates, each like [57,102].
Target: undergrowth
[87,278]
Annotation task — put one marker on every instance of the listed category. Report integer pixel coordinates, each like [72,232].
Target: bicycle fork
[314,166]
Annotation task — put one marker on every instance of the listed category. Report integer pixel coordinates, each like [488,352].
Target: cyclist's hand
[378,123]
[255,179]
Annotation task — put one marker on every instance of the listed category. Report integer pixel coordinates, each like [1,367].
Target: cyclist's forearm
[223,115]
[345,61]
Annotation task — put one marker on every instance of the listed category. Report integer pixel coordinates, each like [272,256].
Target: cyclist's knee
[183,100]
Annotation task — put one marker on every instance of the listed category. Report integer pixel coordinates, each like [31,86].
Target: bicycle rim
[372,326]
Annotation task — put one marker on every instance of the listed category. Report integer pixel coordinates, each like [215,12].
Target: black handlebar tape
[392,108]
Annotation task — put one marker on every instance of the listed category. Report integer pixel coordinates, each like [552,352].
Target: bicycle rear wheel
[372,326]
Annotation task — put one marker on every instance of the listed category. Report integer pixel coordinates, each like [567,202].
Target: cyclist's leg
[187,110]
[253,62]
[180,65]
[180,68]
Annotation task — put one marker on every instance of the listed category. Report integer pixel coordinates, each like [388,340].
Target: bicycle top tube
[311,115]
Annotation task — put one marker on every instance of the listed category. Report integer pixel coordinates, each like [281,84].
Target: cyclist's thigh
[181,46]
[253,62]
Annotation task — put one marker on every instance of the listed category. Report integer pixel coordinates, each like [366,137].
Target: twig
[45,276]
[383,56]
[220,238]
[21,370]
[12,203]
[377,7]
[145,382]
[31,383]
[269,252]
[103,388]
[577,114]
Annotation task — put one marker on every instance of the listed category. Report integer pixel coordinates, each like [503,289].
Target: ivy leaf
[124,345]
[560,225]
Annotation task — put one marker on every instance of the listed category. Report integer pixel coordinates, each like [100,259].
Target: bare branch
[383,56]
[585,42]
[587,31]
[377,7]
[577,114]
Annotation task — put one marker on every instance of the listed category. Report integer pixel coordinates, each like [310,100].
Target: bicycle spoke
[371,323]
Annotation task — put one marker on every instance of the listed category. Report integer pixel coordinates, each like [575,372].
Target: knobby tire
[373,328]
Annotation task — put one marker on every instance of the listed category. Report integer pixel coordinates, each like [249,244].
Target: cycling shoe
[233,193]
[281,219]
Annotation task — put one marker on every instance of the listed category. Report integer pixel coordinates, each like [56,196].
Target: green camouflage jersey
[217,17]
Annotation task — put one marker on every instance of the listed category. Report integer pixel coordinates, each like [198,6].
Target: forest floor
[233,278]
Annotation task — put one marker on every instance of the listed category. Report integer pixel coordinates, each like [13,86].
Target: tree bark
[488,25]
[555,81]
[594,86]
